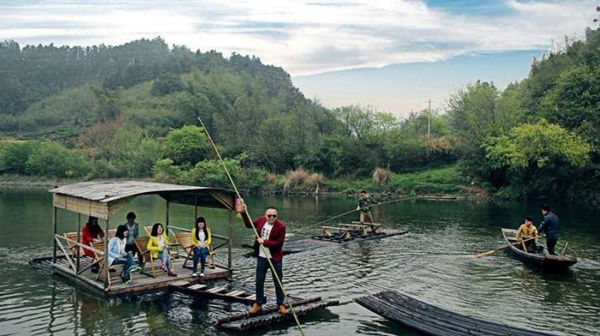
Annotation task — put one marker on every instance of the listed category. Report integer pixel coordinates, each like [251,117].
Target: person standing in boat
[272,236]
[364,201]
[133,230]
[528,231]
[550,227]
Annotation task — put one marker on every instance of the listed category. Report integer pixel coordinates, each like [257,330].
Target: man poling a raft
[259,240]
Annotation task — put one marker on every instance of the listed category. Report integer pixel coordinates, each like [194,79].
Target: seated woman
[158,244]
[201,239]
[92,232]
[117,254]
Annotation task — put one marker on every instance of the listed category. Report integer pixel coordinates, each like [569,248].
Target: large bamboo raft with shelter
[102,199]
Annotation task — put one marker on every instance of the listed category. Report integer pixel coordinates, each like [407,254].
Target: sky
[392,55]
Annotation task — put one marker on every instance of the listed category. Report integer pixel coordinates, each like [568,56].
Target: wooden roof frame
[103,198]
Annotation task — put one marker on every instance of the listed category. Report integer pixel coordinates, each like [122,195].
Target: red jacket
[276,238]
[87,237]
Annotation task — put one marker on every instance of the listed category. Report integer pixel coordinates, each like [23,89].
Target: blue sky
[392,54]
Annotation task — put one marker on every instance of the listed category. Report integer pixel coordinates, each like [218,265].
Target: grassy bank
[445,180]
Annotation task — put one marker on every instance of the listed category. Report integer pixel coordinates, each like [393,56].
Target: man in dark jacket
[268,246]
[550,227]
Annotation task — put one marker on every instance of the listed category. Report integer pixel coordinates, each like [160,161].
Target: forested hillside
[131,111]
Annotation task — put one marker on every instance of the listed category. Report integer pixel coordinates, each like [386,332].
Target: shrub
[382,176]
[165,171]
[211,173]
[14,155]
[300,180]
[52,159]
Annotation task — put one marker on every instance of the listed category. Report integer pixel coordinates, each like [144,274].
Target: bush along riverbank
[436,183]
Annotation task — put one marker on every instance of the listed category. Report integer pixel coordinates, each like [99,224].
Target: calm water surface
[432,262]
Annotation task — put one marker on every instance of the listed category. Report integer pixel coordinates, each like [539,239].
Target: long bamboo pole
[370,206]
[273,270]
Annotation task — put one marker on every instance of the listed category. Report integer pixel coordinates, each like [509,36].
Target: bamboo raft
[242,321]
[341,234]
[269,316]
[433,320]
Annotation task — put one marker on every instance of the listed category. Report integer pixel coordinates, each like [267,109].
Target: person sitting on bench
[158,245]
[527,230]
[117,254]
[92,232]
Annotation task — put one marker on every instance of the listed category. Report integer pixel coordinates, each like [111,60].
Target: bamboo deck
[142,283]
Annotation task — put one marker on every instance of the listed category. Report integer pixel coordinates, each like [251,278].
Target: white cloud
[304,37]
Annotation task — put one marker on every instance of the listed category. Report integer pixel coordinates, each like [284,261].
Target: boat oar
[490,252]
[573,251]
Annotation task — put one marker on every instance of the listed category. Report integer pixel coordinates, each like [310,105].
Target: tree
[187,145]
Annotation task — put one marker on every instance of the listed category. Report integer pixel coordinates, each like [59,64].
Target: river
[433,262]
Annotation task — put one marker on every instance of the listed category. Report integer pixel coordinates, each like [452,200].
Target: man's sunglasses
[272,216]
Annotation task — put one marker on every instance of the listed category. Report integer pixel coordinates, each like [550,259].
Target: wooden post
[106,265]
[79,241]
[195,208]
[229,261]
[167,218]
[54,231]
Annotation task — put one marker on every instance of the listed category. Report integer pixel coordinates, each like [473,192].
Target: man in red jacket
[268,246]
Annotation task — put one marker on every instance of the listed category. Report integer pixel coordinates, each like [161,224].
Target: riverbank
[444,183]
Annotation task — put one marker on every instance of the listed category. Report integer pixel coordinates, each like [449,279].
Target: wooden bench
[72,247]
[142,245]
[375,227]
[175,244]
[327,231]
[185,240]
[99,256]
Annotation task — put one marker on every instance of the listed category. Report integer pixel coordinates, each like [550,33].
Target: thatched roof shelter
[102,198]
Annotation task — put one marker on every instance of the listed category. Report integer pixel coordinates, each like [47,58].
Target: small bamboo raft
[335,235]
[436,321]
[269,315]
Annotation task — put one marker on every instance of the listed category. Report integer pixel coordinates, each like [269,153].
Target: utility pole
[429,121]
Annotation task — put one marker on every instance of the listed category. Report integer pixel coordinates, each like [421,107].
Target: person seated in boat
[92,232]
[528,233]
[133,231]
[550,227]
[158,245]
[117,254]
[364,201]
[201,240]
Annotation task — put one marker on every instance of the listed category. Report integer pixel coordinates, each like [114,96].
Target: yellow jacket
[153,244]
[207,241]
[524,232]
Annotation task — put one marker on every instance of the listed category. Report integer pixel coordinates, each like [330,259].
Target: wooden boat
[432,320]
[541,259]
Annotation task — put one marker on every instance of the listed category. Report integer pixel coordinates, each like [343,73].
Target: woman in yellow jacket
[201,240]
[158,244]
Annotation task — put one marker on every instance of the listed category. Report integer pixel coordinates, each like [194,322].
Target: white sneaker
[201,274]
[195,274]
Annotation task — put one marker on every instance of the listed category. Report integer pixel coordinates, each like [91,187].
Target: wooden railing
[69,256]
